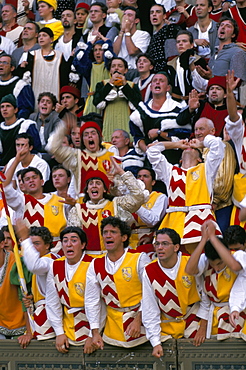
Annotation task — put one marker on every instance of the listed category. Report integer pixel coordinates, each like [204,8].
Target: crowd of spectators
[123,159]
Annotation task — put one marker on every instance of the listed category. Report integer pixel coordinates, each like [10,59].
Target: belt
[179,318]
[39,303]
[95,252]
[75,309]
[188,208]
[125,309]
[210,316]
[90,93]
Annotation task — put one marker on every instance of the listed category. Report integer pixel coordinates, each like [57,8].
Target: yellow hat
[52,3]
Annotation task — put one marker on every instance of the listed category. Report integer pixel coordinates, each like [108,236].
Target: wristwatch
[159,132]
[128,34]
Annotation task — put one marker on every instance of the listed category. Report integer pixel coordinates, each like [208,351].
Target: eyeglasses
[4,62]
[163,244]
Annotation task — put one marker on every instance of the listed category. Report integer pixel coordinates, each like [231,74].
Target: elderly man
[223,182]
[10,29]
[159,118]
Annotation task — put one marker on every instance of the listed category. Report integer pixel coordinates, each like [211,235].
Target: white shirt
[141,40]
[237,300]
[53,304]
[93,301]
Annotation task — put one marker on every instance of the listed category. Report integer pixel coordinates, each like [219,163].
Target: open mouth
[69,252]
[91,142]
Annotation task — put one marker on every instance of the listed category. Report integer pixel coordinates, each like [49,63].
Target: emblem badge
[106,165]
[186,280]
[79,289]
[127,273]
[195,175]
[106,213]
[55,210]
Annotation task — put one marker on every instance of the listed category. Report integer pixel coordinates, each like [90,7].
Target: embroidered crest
[106,213]
[127,273]
[79,289]
[106,165]
[186,280]
[195,175]
[55,210]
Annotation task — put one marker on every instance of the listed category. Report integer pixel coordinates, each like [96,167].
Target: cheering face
[159,85]
[95,190]
[91,139]
[72,248]
[113,240]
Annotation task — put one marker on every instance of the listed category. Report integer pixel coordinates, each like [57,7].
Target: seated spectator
[123,326]
[218,268]
[65,309]
[162,44]
[116,97]
[11,126]
[165,282]
[130,42]
[235,238]
[159,118]
[148,217]
[25,141]
[204,30]
[10,28]
[188,211]
[12,321]
[29,39]
[46,117]
[46,11]
[182,69]
[6,45]
[145,66]
[81,13]
[130,159]
[36,244]
[93,66]
[92,155]
[48,69]
[98,204]
[10,84]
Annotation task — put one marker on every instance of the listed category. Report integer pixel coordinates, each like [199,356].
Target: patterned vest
[50,215]
[92,218]
[71,294]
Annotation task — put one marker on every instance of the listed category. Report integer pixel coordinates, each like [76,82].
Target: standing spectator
[123,325]
[11,126]
[69,101]
[61,179]
[238,13]
[162,44]
[10,84]
[116,97]
[205,29]
[65,308]
[81,13]
[130,41]
[193,181]
[165,282]
[29,38]
[46,11]
[10,28]
[97,16]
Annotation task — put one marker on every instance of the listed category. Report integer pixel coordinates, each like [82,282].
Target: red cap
[217,80]
[101,175]
[82,6]
[70,90]
[90,124]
